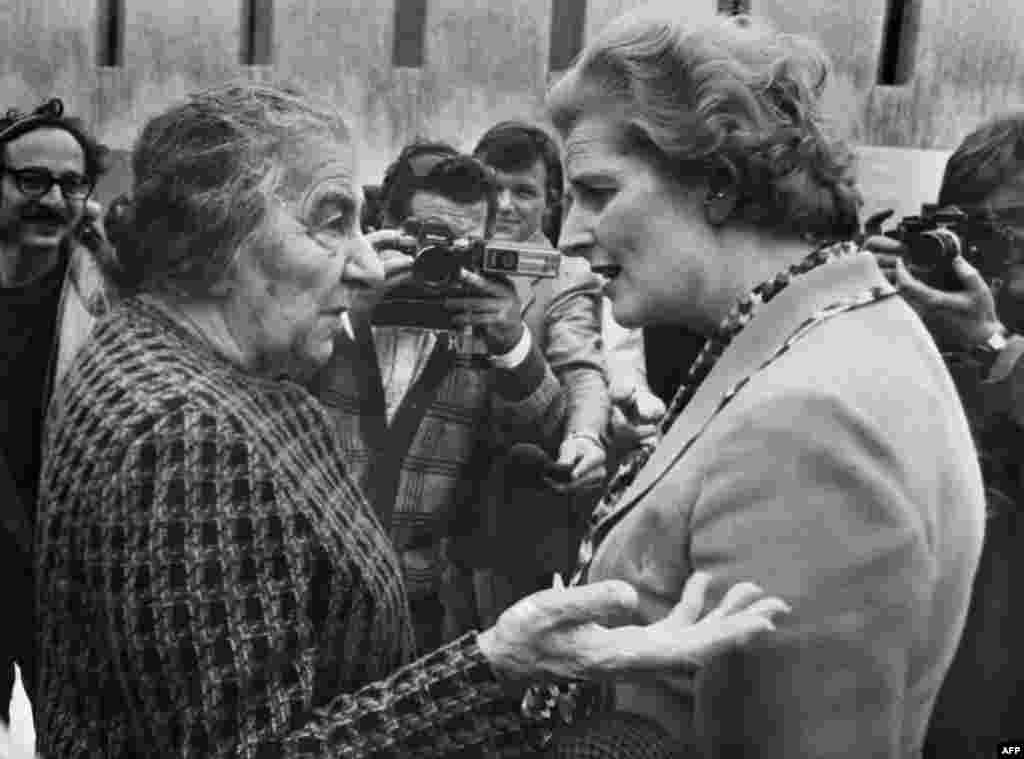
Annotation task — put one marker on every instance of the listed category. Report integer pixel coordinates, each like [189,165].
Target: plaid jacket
[212,583]
[417,470]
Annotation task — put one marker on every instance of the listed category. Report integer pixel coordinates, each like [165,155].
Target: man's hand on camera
[960,320]
[492,307]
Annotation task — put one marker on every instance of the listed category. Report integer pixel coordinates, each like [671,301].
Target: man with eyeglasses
[49,294]
[980,333]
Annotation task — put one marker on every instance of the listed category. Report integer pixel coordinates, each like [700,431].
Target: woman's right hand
[566,633]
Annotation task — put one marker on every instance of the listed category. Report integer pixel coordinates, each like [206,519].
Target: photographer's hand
[587,458]
[635,417]
[960,320]
[492,308]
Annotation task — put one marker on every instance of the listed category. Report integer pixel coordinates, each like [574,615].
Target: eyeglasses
[34,183]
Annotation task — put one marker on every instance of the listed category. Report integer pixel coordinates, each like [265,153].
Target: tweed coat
[842,478]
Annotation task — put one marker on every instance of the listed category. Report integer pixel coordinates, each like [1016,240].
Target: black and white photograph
[511,379]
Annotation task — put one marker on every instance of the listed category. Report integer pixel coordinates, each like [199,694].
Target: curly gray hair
[202,172]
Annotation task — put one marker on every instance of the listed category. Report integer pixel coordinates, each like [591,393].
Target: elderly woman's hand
[492,307]
[565,633]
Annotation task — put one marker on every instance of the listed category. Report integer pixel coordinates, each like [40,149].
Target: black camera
[438,259]
[939,234]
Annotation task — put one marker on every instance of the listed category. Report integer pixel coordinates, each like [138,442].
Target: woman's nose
[364,266]
[575,237]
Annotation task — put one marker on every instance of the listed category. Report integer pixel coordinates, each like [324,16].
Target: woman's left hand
[566,633]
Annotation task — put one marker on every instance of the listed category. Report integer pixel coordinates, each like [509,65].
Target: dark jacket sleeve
[1004,386]
[528,403]
[172,622]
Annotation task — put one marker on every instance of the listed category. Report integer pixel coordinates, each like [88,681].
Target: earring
[718,206]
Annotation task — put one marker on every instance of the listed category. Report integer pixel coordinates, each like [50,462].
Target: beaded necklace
[562,702]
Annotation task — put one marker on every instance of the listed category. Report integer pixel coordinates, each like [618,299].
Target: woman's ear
[723,195]
[720,204]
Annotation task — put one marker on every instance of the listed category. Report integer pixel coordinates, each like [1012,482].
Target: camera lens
[436,266]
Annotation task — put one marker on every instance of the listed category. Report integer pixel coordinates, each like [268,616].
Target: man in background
[532,528]
[417,414]
[49,294]
[979,329]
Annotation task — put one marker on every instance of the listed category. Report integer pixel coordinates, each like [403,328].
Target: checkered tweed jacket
[417,470]
[212,584]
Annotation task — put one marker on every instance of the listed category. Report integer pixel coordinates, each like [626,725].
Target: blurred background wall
[909,74]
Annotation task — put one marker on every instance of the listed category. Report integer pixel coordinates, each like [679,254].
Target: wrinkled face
[38,226]
[465,219]
[294,283]
[521,202]
[644,232]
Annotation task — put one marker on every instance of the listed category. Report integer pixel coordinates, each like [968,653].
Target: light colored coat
[843,479]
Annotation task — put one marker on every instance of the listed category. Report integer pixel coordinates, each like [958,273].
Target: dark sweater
[28,325]
[28,318]
[212,581]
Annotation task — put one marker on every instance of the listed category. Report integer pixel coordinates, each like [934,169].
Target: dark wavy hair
[517,146]
[201,176]
[724,93]
[451,174]
[984,161]
[51,115]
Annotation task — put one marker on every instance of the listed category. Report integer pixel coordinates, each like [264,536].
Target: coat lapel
[774,322]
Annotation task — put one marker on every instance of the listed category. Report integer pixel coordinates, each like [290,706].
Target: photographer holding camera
[977,323]
[441,366]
